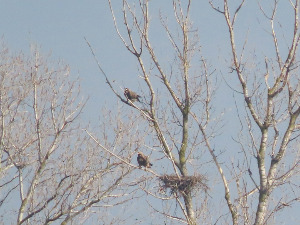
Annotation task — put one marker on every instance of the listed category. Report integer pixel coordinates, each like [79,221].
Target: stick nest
[183,184]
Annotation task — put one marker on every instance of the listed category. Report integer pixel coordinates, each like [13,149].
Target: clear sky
[59,27]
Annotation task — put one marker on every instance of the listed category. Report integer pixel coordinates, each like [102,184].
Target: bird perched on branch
[132,96]
[143,160]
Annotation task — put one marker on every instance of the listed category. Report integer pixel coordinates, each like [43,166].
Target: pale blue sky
[60,26]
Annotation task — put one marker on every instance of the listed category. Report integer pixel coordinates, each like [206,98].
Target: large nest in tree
[183,184]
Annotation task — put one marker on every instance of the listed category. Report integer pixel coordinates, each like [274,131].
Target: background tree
[272,107]
[51,170]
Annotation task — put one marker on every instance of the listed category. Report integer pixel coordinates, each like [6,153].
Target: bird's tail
[138,98]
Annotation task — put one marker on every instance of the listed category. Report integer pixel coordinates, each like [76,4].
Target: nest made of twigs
[183,184]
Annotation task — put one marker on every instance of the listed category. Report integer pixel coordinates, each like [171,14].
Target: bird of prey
[143,160]
[132,96]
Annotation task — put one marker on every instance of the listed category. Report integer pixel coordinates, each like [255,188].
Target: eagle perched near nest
[143,160]
[132,96]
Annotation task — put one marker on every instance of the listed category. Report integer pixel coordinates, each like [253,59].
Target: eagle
[143,160]
[131,95]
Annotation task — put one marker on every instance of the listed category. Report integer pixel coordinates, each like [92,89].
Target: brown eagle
[132,96]
[143,160]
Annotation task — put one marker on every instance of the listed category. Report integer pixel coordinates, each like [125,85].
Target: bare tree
[177,107]
[51,170]
[273,110]
[168,112]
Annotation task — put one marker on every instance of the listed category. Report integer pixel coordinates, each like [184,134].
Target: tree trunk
[189,208]
[261,208]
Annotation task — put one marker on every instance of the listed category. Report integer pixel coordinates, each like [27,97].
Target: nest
[183,184]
